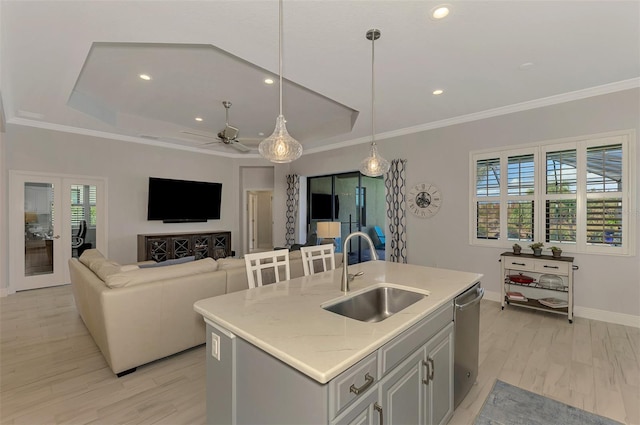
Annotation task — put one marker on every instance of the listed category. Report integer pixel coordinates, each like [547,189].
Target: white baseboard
[587,313]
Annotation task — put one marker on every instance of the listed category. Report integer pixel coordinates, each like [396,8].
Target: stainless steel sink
[376,304]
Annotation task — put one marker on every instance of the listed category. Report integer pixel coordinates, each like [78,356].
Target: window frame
[627,139]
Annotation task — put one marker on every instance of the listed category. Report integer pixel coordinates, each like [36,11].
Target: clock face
[424,200]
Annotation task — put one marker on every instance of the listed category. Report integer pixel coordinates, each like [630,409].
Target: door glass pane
[83,218]
[38,228]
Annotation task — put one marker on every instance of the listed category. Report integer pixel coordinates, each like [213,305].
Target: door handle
[473,301]
[368,381]
[427,373]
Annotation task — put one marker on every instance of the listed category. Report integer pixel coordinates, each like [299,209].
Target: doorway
[51,218]
[259,222]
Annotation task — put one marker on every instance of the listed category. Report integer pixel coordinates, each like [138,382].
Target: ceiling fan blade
[238,146]
[204,136]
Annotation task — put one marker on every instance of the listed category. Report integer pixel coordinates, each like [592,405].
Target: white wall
[4,225]
[127,167]
[441,156]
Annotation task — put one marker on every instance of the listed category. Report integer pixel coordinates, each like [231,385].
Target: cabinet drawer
[519,263]
[358,376]
[396,350]
[553,267]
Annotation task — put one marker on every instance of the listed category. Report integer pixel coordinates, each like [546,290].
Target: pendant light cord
[280,50]
[373,91]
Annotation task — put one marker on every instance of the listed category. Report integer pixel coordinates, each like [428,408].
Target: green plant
[516,246]
[536,245]
[555,248]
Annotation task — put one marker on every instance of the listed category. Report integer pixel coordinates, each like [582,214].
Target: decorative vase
[537,252]
[557,253]
[516,251]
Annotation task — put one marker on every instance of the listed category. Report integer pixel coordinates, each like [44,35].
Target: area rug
[509,405]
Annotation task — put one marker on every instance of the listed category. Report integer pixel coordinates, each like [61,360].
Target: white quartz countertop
[287,320]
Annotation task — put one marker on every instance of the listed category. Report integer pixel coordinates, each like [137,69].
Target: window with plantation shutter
[575,194]
[521,199]
[83,205]
[488,199]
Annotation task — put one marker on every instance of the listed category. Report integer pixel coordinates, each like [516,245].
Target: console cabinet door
[439,357]
[403,392]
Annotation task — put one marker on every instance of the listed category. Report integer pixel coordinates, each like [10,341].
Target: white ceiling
[73,65]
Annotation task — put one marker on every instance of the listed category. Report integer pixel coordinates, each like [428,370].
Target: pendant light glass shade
[374,165]
[280,147]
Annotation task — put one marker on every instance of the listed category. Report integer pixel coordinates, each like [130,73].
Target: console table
[167,246]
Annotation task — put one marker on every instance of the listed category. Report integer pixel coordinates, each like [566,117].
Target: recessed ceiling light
[199,119]
[268,81]
[440,12]
[438,92]
[261,134]
[526,65]
[145,77]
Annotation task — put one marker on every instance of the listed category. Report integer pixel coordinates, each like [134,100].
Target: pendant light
[374,165]
[280,147]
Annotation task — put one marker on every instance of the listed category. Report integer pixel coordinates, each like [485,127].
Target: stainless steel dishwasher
[467,329]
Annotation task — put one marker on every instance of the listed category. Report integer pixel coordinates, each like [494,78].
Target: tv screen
[183,200]
[321,206]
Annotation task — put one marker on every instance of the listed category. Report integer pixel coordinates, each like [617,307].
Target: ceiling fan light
[280,147]
[374,165]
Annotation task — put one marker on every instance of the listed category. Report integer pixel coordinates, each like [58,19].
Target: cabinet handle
[431,368]
[519,264]
[379,410]
[369,380]
[550,267]
[427,373]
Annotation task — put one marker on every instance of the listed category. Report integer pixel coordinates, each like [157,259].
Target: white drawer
[361,376]
[514,263]
[553,267]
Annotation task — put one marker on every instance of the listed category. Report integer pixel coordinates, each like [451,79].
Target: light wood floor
[52,372]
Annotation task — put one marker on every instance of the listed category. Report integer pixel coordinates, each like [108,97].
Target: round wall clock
[424,200]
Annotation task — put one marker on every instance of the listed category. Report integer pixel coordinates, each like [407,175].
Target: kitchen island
[274,355]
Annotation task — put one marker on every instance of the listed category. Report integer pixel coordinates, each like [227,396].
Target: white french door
[43,217]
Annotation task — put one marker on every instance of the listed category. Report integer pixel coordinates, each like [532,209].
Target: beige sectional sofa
[137,315]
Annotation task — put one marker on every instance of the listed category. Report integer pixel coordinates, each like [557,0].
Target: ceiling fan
[227,136]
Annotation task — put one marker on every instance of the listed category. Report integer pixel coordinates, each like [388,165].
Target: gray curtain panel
[293,200]
[395,183]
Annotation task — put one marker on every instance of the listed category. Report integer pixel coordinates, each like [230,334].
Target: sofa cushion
[136,277]
[129,267]
[169,262]
[105,268]
[91,256]
[230,263]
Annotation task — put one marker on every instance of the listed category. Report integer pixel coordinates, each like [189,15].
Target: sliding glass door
[357,202]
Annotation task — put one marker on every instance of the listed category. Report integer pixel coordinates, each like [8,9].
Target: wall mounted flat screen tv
[321,206]
[177,201]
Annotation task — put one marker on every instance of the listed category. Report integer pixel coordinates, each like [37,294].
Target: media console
[167,246]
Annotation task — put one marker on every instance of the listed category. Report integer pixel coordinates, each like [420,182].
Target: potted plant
[516,249]
[557,252]
[537,248]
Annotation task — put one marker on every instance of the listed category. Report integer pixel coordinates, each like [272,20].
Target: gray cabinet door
[402,392]
[362,412]
[439,351]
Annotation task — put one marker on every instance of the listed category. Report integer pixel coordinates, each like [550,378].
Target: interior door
[44,219]
[36,254]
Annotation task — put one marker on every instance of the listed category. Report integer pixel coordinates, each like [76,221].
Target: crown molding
[490,113]
[121,137]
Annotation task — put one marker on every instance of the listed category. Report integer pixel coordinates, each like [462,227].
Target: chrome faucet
[346,277]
